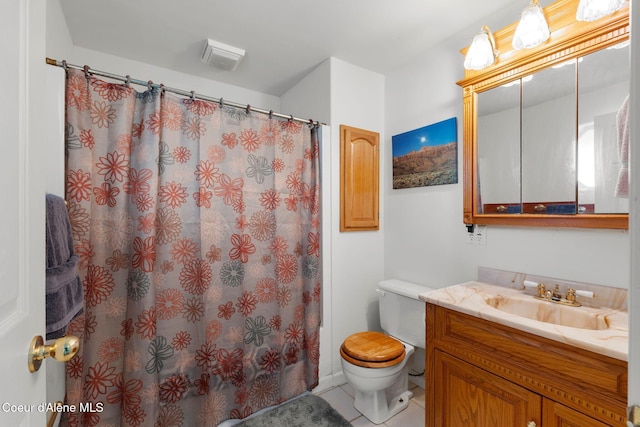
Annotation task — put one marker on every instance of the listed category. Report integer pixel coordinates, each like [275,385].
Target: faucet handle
[586,294]
[572,293]
[539,286]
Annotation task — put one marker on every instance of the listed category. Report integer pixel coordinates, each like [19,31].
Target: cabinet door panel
[557,415]
[473,397]
[359,179]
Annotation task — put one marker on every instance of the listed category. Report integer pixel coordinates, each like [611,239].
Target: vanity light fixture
[482,51]
[592,10]
[532,30]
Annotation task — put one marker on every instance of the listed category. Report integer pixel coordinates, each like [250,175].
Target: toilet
[376,364]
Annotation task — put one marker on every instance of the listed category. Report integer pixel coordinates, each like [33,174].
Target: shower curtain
[198,231]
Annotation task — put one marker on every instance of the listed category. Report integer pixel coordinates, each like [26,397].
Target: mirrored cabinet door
[603,78]
[498,134]
[548,141]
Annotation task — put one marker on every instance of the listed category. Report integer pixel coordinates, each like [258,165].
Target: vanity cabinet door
[557,415]
[472,397]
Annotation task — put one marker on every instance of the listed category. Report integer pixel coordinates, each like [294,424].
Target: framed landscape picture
[426,156]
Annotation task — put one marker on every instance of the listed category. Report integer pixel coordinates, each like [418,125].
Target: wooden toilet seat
[372,350]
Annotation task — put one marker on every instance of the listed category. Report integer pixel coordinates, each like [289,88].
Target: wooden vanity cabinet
[482,374]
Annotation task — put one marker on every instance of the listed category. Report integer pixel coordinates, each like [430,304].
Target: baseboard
[419,381]
[330,381]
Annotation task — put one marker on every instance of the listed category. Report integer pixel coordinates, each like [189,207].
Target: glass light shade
[592,10]
[532,29]
[481,53]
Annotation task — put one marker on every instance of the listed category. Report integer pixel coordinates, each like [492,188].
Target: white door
[22,256]
[634,225]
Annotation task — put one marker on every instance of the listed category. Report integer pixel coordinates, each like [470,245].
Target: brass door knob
[62,350]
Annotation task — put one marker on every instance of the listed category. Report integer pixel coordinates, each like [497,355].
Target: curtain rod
[128,80]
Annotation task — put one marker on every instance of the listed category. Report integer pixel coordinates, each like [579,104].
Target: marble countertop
[476,299]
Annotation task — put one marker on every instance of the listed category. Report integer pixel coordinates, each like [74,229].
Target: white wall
[634,303]
[424,233]
[357,99]
[59,47]
[310,97]
[58,41]
[340,93]
[139,70]
[425,239]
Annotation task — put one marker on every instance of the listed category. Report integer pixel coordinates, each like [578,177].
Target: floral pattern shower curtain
[198,231]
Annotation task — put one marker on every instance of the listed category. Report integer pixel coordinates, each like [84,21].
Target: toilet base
[376,407]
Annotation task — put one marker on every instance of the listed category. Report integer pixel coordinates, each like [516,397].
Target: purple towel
[64,297]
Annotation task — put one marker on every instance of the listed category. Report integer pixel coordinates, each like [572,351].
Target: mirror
[541,128]
[548,141]
[498,133]
[603,78]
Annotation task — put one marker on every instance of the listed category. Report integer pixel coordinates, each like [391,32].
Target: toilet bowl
[381,385]
[376,364]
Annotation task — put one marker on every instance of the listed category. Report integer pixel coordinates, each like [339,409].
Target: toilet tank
[402,313]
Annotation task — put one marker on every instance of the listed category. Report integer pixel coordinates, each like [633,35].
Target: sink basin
[548,312]
[602,328]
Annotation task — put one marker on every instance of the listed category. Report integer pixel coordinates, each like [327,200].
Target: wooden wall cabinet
[482,374]
[359,179]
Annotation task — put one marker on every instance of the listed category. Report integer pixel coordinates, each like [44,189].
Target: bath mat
[307,411]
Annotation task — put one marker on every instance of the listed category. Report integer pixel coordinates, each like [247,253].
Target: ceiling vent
[221,55]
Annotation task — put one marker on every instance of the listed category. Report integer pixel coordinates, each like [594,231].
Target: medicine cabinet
[541,145]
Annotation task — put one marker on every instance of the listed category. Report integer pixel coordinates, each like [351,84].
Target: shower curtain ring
[128,81]
[221,102]
[248,109]
[270,114]
[64,64]
[150,85]
[193,95]
[86,71]
[291,118]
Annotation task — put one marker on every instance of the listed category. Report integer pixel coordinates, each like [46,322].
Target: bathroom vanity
[489,367]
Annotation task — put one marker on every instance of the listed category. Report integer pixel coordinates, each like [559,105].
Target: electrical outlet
[480,235]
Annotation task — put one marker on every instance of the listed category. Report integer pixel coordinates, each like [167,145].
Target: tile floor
[341,398]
